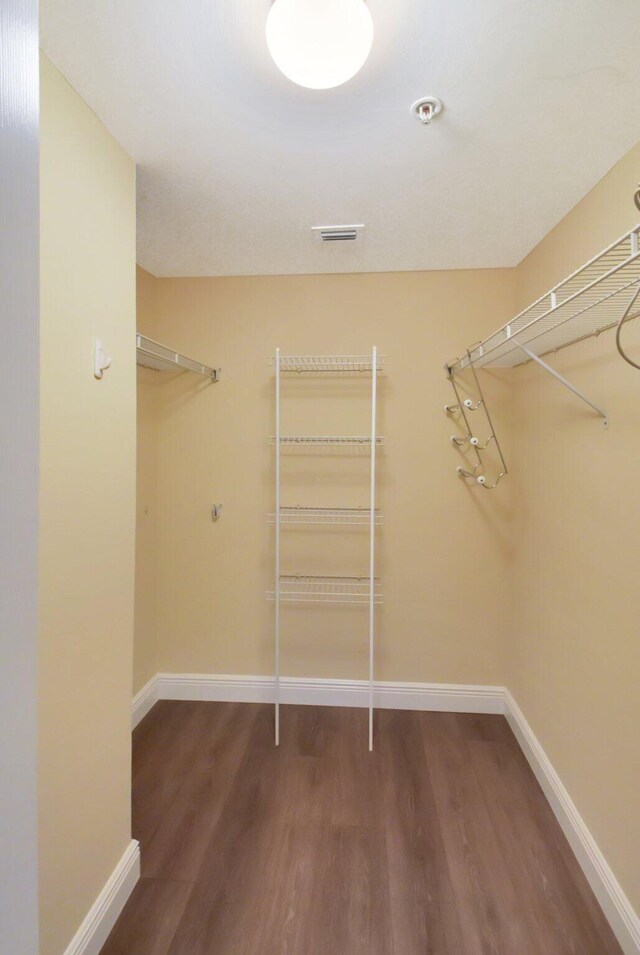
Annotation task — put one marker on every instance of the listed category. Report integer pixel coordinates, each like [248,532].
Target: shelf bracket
[563,381]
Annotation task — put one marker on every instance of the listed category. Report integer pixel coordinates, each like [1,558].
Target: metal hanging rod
[313,588]
[152,354]
[329,363]
[586,303]
[325,515]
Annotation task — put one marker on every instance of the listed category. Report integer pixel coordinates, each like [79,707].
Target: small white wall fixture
[101,360]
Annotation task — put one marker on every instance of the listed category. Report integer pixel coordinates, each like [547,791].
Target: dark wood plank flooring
[439,843]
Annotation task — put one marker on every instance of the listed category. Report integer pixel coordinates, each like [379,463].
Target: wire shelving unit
[363,590]
[152,354]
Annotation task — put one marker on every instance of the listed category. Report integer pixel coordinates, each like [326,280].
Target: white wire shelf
[586,303]
[152,354]
[317,589]
[319,440]
[326,516]
[319,364]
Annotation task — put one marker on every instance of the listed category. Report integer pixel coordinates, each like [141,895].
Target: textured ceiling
[235,163]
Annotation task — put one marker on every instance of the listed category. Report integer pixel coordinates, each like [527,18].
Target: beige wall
[575,653]
[87,508]
[145,652]
[443,551]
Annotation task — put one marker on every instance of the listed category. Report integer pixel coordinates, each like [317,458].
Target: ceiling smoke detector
[337,233]
[426,109]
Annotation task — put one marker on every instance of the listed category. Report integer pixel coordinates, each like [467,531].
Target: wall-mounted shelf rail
[313,588]
[152,354]
[319,364]
[338,516]
[586,303]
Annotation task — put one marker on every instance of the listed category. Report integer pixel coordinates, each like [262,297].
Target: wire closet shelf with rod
[602,294]
[326,589]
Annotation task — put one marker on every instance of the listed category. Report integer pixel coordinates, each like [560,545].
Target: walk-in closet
[319,478]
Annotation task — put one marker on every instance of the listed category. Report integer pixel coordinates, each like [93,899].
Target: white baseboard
[614,903]
[321,692]
[144,700]
[102,915]
[441,697]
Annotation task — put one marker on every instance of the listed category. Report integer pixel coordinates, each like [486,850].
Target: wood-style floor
[439,843]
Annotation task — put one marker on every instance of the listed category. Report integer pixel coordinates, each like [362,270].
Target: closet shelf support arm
[563,381]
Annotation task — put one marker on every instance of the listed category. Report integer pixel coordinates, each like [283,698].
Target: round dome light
[319,43]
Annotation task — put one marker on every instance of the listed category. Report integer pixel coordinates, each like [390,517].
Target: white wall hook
[216,512]
[100,360]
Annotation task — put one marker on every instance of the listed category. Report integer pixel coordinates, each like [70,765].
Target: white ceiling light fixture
[319,44]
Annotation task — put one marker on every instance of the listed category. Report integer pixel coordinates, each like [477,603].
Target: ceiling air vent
[337,233]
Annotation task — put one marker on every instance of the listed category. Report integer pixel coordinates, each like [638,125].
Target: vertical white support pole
[372,539]
[277,569]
